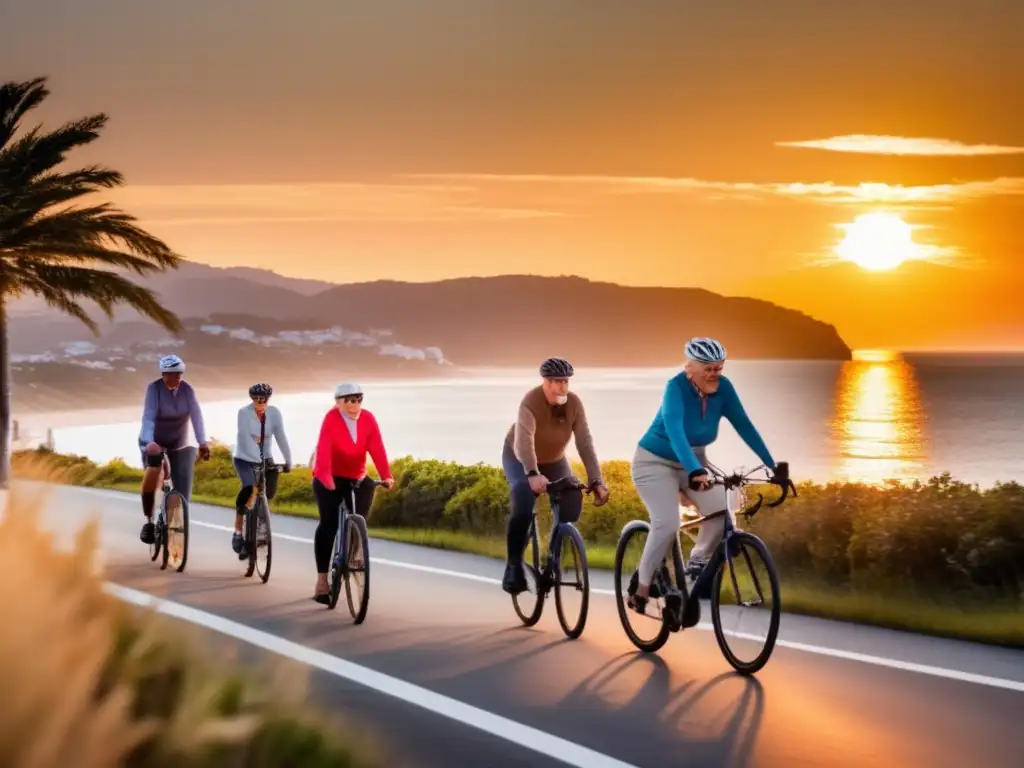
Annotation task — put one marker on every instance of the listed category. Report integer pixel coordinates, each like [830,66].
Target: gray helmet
[705,350]
[556,368]
[261,390]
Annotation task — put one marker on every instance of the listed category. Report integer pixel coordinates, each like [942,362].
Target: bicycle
[734,541]
[346,561]
[256,520]
[173,509]
[550,576]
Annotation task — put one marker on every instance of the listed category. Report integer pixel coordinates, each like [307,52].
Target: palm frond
[36,153]
[106,289]
[16,100]
[94,227]
[46,242]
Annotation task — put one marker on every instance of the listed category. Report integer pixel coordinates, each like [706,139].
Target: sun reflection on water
[879,422]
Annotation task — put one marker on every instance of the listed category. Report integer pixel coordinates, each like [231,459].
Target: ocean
[877,417]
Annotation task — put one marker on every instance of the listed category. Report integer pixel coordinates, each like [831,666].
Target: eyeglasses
[351,398]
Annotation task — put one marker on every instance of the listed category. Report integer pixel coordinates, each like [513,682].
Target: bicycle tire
[165,537]
[635,528]
[250,540]
[529,618]
[264,518]
[155,547]
[741,540]
[357,533]
[186,527]
[334,585]
[568,532]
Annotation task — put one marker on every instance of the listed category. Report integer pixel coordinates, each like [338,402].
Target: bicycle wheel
[530,604]
[334,588]
[264,542]
[176,531]
[647,631]
[572,565]
[357,575]
[251,522]
[741,603]
[157,546]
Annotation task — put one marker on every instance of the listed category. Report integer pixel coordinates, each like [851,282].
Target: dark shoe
[148,533]
[238,545]
[515,579]
[672,610]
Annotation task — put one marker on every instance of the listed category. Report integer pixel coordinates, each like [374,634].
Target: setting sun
[877,242]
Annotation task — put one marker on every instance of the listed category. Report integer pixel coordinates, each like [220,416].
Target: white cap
[347,389]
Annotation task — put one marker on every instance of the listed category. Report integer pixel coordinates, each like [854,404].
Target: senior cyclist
[170,405]
[534,454]
[259,424]
[671,458]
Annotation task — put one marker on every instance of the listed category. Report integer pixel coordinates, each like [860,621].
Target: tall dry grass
[91,682]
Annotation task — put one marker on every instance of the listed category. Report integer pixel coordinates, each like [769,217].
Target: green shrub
[940,538]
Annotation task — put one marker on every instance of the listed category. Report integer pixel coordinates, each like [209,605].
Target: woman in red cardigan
[347,434]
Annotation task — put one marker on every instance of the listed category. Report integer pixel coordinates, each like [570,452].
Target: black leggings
[327,503]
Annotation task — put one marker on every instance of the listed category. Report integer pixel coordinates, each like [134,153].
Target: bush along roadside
[939,556]
[92,682]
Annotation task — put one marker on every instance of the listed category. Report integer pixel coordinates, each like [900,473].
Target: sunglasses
[260,400]
[351,398]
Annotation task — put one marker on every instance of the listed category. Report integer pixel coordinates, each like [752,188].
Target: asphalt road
[444,674]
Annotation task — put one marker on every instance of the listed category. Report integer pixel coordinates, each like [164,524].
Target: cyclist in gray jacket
[259,423]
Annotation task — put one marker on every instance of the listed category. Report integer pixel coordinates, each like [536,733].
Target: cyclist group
[669,463]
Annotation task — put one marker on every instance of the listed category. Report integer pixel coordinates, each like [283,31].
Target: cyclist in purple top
[170,405]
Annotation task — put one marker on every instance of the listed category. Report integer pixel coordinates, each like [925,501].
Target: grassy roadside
[93,682]
[996,625]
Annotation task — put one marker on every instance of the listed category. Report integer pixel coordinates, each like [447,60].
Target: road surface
[445,675]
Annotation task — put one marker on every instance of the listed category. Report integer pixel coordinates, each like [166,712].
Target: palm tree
[64,253]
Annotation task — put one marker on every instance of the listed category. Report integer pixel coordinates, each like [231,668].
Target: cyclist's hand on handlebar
[538,483]
[286,468]
[204,452]
[389,483]
[700,481]
[152,449]
[601,494]
[780,475]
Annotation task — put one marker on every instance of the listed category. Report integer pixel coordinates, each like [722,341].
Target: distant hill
[509,320]
[517,320]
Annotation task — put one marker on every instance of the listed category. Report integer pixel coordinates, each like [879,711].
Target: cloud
[823,191]
[254,204]
[870,144]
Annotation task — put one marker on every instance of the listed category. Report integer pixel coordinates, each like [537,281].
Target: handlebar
[566,483]
[780,477]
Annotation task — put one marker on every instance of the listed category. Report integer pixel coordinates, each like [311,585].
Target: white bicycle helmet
[705,350]
[171,364]
[347,390]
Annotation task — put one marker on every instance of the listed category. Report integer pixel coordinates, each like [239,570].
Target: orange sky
[642,143]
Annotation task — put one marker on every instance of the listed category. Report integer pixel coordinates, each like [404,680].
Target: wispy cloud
[253,204]
[824,191]
[871,144]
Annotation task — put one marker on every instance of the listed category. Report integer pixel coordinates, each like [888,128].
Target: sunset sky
[721,145]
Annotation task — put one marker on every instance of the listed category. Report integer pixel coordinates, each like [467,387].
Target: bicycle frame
[345,509]
[733,484]
[552,563]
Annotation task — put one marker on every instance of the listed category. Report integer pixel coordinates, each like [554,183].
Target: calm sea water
[877,417]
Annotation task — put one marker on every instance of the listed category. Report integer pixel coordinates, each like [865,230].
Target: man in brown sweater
[534,455]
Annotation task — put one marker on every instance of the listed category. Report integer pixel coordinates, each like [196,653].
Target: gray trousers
[659,483]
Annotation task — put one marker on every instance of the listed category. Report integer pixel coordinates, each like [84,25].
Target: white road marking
[880,661]
[524,736]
